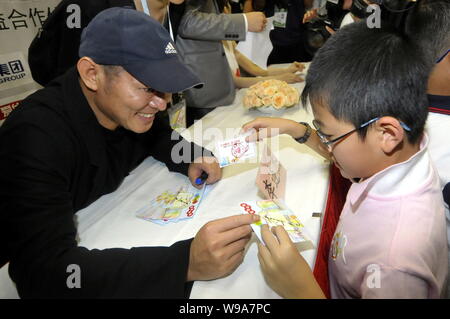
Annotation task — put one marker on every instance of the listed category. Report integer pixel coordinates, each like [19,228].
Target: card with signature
[271,177]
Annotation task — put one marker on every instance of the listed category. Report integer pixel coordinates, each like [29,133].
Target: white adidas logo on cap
[170,49]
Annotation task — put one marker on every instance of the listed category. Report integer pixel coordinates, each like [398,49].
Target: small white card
[234,150]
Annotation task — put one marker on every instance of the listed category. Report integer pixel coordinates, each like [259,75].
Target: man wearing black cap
[75,140]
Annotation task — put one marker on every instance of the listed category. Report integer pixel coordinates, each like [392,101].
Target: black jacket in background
[294,32]
[56,160]
[54,50]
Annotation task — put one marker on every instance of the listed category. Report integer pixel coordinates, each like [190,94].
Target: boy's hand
[268,127]
[284,269]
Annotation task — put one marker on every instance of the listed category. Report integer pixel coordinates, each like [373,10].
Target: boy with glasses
[367,92]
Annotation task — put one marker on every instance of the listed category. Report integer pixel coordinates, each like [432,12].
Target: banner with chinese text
[20,21]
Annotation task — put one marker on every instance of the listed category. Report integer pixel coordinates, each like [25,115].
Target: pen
[203,177]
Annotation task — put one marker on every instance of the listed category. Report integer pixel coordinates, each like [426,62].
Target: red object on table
[337,193]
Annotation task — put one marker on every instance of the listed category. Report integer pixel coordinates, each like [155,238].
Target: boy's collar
[396,180]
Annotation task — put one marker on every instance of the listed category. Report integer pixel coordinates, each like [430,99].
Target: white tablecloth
[111,222]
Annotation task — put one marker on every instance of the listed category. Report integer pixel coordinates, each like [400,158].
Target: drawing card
[272,215]
[173,206]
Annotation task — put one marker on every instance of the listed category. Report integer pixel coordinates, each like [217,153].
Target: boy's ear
[390,133]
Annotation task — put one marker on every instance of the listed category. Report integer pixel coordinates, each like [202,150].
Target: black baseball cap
[141,45]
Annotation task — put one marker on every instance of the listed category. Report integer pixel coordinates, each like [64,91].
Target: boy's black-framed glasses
[328,142]
[443,57]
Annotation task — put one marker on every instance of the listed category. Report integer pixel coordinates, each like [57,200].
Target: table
[307,180]
[111,221]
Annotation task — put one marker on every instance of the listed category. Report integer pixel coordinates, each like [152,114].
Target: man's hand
[311,14]
[207,164]
[295,67]
[218,248]
[256,21]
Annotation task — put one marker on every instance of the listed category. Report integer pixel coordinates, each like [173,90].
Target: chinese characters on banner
[16,19]
[20,21]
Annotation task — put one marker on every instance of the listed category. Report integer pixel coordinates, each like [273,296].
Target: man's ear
[88,71]
[390,133]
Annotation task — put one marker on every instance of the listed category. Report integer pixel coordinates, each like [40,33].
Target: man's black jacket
[56,160]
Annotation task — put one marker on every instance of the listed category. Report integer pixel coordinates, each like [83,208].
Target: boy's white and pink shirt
[391,239]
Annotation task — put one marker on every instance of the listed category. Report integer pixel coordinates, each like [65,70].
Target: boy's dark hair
[428,26]
[363,73]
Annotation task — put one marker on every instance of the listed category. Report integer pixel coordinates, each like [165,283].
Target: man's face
[121,100]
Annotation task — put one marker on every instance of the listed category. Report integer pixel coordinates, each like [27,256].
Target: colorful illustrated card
[177,115]
[271,178]
[173,206]
[272,215]
[234,150]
